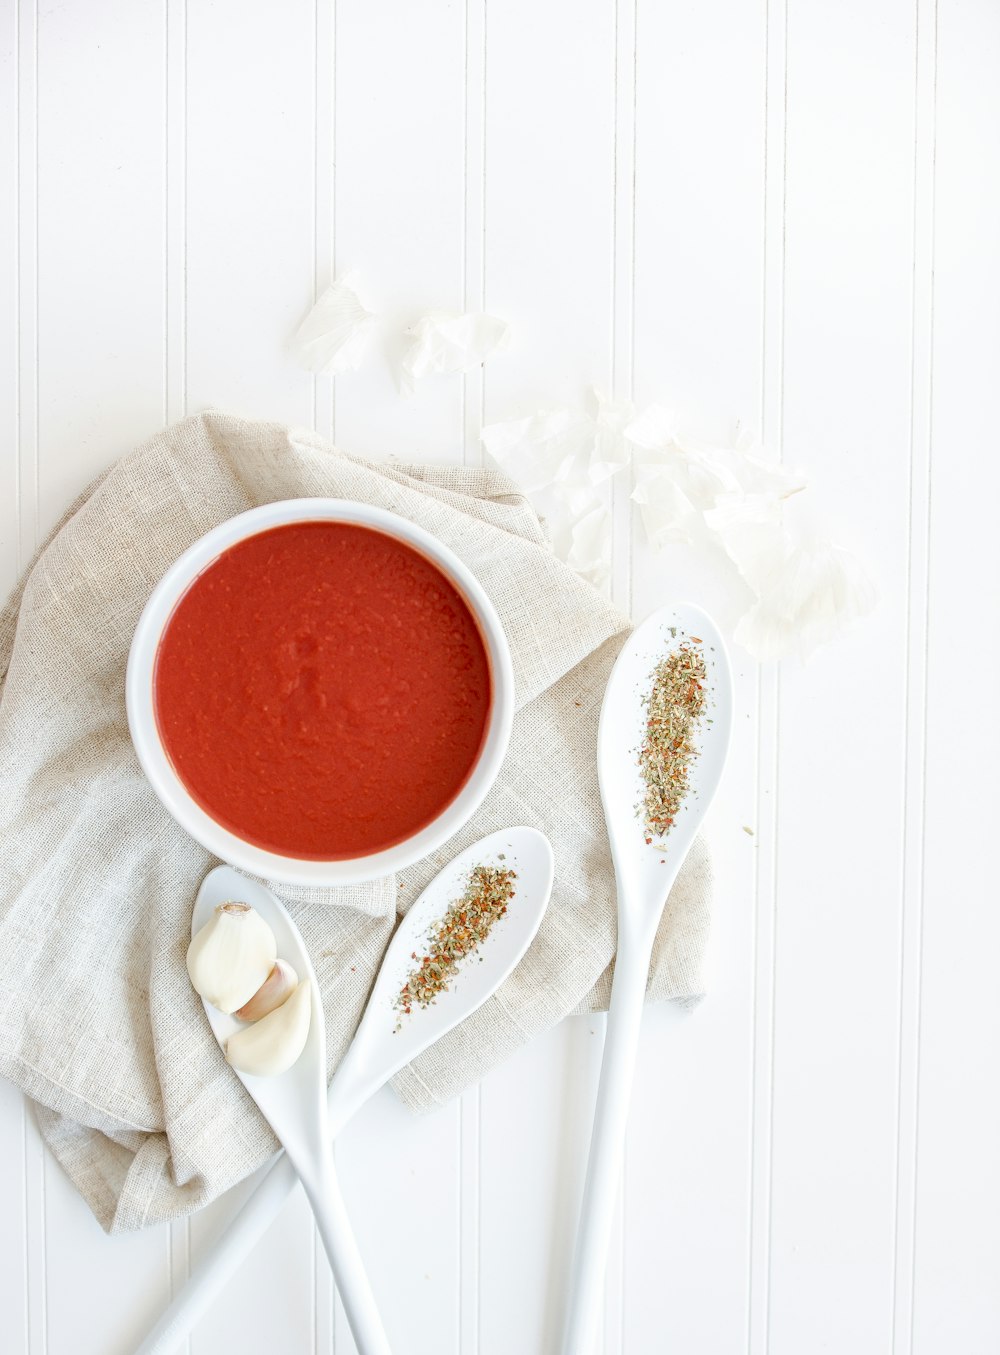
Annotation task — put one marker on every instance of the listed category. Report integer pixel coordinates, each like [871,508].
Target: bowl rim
[171,791]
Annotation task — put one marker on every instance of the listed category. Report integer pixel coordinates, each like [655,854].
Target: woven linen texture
[98,1023]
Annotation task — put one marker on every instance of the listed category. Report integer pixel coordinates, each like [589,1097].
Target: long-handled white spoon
[294,1105]
[644,873]
[378,1050]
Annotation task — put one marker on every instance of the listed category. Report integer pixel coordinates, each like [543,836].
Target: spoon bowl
[385,1041]
[294,1104]
[645,870]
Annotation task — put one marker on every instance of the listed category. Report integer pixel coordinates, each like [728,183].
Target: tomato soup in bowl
[320,692]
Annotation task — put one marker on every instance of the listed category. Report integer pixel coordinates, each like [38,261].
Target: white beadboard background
[779,211]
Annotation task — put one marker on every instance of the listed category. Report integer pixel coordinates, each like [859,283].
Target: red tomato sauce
[322,690]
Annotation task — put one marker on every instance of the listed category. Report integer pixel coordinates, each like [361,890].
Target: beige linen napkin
[98,1023]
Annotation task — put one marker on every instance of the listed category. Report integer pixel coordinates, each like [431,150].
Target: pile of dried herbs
[674,707]
[464,927]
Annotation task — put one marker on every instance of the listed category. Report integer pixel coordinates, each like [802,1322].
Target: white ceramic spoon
[378,1050]
[294,1105]
[644,874]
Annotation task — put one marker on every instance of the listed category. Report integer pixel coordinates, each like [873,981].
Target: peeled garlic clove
[271,994]
[272,1044]
[231,956]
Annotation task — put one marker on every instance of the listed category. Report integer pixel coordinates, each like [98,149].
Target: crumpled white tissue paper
[565,459]
[334,335]
[806,589]
[442,342]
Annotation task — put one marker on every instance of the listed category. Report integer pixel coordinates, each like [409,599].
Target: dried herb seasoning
[674,707]
[462,930]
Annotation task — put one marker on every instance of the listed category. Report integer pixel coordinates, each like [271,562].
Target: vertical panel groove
[36,1239]
[43,1160]
[465,223]
[25,1217]
[324,395]
[768,700]
[175,212]
[27,518]
[314,1262]
[324,1292]
[26,479]
[174,348]
[623,279]
[622,380]
[469,1221]
[631,325]
[915,694]
[334,124]
[324,205]
[183,331]
[482,199]
[316,243]
[165,375]
[18,563]
[333,184]
[473,281]
[473,293]
[36,531]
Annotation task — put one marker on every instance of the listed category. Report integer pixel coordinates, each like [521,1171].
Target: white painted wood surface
[784,212]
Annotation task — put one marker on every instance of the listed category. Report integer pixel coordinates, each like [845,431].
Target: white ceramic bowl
[171,790]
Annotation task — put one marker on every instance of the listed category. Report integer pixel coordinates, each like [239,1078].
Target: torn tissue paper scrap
[445,342]
[806,589]
[334,336]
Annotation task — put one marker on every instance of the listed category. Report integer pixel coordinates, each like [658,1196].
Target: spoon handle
[607,1144]
[223,1259]
[323,1189]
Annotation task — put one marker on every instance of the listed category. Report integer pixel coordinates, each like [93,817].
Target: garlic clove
[272,1044]
[231,956]
[271,994]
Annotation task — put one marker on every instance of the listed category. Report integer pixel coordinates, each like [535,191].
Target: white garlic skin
[279,985]
[272,1044]
[231,956]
